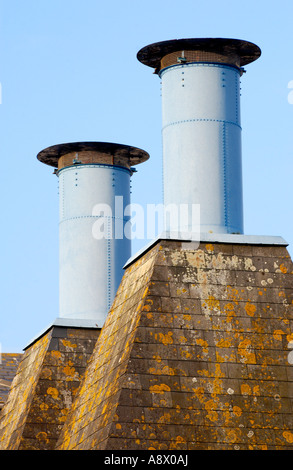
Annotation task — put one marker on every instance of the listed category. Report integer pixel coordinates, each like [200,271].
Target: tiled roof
[8,366]
[193,355]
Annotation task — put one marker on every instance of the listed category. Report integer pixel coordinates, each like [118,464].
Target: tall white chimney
[201,127]
[94,190]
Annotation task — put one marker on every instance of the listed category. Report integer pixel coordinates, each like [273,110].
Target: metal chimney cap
[152,54]
[131,155]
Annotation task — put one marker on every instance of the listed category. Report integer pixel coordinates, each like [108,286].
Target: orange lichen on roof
[199,355]
[194,354]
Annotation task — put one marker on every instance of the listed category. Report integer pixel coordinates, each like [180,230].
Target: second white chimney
[201,127]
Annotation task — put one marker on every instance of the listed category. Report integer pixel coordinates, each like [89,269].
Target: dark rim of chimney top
[51,155]
[152,54]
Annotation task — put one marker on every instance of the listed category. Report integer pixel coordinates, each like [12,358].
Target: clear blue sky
[69,72]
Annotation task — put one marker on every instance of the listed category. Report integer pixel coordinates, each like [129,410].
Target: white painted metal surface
[92,199]
[201,134]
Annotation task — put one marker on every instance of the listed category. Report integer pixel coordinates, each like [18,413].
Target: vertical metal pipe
[94,190]
[202,143]
[201,128]
[90,265]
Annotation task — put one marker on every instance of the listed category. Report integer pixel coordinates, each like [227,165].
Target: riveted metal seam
[94,165]
[109,276]
[63,198]
[126,219]
[224,166]
[237,101]
[163,177]
[201,120]
[199,64]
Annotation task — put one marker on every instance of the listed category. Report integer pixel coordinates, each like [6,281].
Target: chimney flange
[153,54]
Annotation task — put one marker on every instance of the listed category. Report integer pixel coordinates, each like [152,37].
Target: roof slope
[193,354]
[44,387]
[8,366]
